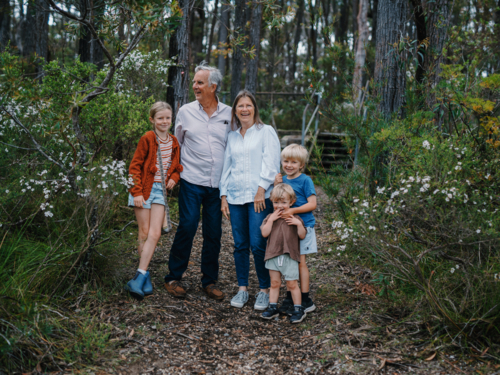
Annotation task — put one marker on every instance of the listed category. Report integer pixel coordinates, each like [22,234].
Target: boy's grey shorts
[288,267]
[308,245]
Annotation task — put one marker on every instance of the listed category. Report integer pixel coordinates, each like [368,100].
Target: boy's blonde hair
[280,190]
[296,152]
[157,107]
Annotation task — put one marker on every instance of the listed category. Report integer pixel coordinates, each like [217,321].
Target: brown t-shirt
[284,239]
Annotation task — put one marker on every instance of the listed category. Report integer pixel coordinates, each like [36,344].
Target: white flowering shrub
[435,224]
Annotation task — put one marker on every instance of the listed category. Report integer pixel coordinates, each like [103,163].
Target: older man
[201,128]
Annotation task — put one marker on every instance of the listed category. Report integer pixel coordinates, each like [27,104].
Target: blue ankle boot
[134,286]
[147,287]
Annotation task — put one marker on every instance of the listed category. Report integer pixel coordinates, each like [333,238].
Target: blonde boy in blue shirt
[293,159]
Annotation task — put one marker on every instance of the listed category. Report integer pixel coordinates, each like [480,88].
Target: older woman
[251,161]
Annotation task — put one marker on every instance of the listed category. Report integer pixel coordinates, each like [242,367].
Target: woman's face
[245,111]
[162,120]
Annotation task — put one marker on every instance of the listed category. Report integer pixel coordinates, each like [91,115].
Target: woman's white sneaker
[240,299]
[261,301]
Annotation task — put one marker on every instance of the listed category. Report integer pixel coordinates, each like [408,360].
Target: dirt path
[352,331]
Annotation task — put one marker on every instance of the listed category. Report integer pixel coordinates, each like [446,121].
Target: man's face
[200,86]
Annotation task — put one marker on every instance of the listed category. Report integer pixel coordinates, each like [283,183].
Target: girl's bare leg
[274,292]
[142,215]
[157,212]
[303,275]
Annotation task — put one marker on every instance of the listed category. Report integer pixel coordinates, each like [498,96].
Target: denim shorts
[285,265]
[156,197]
[308,245]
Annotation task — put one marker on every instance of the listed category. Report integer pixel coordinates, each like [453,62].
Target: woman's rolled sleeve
[270,158]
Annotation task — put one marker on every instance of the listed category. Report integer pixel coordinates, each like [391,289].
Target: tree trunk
[437,26]
[89,49]
[420,25]
[4,23]
[42,28]
[341,31]
[354,17]
[237,65]
[178,76]
[196,31]
[225,10]
[28,30]
[299,18]
[390,77]
[374,22]
[253,64]
[212,28]
[360,58]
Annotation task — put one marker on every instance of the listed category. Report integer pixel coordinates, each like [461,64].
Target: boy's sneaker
[271,312]
[308,306]
[298,315]
[286,305]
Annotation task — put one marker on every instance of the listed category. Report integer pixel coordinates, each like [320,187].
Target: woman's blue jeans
[245,223]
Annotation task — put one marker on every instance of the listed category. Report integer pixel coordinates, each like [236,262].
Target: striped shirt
[166,157]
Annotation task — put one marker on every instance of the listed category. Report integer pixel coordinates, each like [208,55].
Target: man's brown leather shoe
[176,289]
[214,292]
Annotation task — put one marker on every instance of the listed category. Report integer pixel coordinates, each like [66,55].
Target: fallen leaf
[382,365]
[431,357]
[131,333]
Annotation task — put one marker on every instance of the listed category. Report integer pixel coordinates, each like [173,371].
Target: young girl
[147,194]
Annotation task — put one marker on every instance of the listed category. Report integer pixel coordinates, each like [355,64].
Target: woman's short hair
[235,121]
[295,152]
[157,107]
[279,192]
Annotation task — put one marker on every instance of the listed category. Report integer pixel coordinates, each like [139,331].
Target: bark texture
[42,29]
[237,65]
[225,10]
[360,58]
[253,64]
[390,77]
[299,19]
[178,76]
[5,10]
[212,28]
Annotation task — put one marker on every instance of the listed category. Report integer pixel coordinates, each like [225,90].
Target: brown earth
[352,331]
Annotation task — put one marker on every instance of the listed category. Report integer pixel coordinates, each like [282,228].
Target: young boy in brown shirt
[283,251]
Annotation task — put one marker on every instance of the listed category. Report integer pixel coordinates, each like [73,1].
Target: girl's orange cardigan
[143,166]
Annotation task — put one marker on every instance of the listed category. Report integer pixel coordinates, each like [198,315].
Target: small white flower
[49,214]
[6,191]
[371,228]
[478,231]
[452,269]
[426,145]
[356,200]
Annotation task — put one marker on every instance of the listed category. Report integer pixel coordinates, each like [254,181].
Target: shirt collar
[218,105]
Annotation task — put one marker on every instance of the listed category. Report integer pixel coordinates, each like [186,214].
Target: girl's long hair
[235,121]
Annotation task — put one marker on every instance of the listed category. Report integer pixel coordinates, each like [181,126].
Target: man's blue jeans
[245,223]
[191,198]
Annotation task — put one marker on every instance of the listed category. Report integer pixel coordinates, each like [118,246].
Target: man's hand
[224,207]
[170,184]
[139,201]
[278,179]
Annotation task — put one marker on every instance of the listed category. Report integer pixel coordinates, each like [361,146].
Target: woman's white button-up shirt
[250,162]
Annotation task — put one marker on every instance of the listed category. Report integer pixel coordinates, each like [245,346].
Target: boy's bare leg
[274,292]
[303,275]
[293,287]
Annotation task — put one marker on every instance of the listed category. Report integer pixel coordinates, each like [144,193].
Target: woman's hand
[139,201]
[259,202]
[224,207]
[170,184]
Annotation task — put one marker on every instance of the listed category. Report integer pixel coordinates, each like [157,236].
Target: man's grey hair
[214,76]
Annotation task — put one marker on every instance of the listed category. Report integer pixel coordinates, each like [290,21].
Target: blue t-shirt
[303,187]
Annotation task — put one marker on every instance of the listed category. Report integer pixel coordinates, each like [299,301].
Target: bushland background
[412,86]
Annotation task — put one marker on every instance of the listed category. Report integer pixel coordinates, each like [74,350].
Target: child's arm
[308,207]
[278,179]
[268,226]
[292,220]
